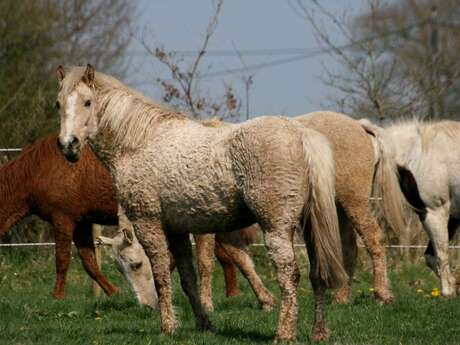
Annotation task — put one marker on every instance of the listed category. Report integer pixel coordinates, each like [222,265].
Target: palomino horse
[428,165]
[366,181]
[72,197]
[174,175]
[69,196]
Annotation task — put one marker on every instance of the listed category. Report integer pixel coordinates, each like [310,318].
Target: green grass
[28,314]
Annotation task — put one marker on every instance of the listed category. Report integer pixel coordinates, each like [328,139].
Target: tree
[184,89]
[399,57]
[37,36]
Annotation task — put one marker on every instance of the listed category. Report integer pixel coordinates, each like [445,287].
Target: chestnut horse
[69,196]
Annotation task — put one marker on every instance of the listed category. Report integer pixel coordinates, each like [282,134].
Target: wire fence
[399,246]
[45,244]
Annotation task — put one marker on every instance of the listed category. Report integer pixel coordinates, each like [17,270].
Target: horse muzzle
[70,148]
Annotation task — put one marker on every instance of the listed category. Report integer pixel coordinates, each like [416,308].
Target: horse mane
[129,116]
[429,129]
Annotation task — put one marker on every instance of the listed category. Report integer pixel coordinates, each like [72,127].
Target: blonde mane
[428,130]
[126,114]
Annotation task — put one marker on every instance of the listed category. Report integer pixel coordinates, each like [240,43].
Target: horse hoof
[282,340]
[206,326]
[232,293]
[386,298]
[208,307]
[340,299]
[113,291]
[169,327]
[58,295]
[321,334]
[269,305]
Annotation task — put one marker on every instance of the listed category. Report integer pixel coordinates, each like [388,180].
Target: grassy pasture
[28,314]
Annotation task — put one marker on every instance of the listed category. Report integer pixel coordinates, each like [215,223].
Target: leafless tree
[399,58]
[184,89]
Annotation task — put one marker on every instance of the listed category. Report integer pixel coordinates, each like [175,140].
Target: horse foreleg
[430,256]
[153,240]
[231,282]
[281,251]
[205,257]
[181,249]
[435,223]
[244,262]
[83,240]
[63,229]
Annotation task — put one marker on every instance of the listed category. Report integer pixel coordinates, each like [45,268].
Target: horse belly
[206,212]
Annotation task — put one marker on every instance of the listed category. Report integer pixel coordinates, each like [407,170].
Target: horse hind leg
[350,253]
[320,330]
[279,243]
[83,240]
[435,223]
[205,257]
[365,223]
[181,249]
[229,268]
[244,262]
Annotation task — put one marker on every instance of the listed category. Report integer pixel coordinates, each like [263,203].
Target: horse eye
[58,105]
[136,265]
[87,104]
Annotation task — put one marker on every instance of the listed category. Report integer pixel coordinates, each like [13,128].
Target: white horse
[428,160]
[173,175]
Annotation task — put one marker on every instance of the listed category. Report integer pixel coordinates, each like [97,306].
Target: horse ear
[60,74]
[88,77]
[128,236]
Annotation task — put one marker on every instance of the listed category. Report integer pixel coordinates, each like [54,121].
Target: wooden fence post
[97,231]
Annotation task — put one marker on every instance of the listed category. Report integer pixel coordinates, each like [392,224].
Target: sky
[287,89]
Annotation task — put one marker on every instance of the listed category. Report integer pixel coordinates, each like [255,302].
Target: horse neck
[15,190]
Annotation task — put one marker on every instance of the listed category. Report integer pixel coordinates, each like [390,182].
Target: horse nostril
[74,141]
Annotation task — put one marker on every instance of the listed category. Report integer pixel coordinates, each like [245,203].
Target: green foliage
[37,36]
[30,316]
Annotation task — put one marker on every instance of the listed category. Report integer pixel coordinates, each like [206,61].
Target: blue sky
[289,89]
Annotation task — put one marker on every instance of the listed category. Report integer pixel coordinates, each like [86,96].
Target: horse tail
[321,212]
[386,190]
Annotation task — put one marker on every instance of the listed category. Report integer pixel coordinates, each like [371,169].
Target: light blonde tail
[322,211]
[386,192]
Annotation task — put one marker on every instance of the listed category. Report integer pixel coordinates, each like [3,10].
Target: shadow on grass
[249,335]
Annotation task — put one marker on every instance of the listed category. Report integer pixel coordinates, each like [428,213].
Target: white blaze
[70,110]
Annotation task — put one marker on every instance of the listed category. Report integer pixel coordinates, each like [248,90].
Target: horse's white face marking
[69,122]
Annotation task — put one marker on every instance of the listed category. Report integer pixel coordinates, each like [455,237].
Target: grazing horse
[428,166]
[173,175]
[69,196]
[230,250]
[366,187]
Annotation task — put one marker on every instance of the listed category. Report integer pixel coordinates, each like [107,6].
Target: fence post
[97,231]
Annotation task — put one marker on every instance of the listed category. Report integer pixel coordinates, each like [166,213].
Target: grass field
[28,314]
